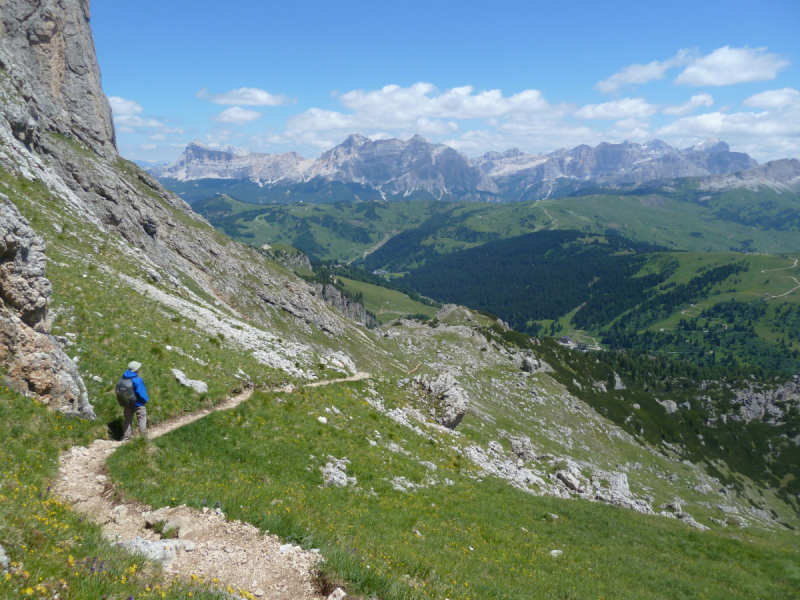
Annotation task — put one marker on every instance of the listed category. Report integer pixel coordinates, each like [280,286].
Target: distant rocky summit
[625,163]
[395,169]
[388,166]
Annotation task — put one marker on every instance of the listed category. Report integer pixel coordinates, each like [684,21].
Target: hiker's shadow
[115,428]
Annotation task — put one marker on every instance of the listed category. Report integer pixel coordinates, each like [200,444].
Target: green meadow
[453,536]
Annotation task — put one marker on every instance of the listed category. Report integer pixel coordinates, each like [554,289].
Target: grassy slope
[658,219]
[52,550]
[386,304]
[89,300]
[769,276]
[484,540]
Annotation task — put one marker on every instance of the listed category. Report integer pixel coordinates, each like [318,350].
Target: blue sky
[478,76]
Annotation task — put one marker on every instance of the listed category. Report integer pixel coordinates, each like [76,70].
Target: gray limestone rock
[48,51]
[767,404]
[346,306]
[34,362]
[447,402]
[201,387]
[4,560]
[337,594]
[531,364]
[618,383]
[163,551]
[669,406]
[334,473]
[521,446]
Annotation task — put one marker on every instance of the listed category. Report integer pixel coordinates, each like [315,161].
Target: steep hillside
[464,460]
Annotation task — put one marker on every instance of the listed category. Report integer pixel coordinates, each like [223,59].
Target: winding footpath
[228,555]
[785,276]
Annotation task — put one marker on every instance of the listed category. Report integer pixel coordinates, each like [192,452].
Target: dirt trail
[208,547]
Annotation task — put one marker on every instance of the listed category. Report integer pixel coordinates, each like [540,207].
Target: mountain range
[447,457]
[364,169]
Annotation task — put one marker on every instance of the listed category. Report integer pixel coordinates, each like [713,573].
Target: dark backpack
[125,396]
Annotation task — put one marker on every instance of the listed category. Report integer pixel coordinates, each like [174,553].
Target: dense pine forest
[542,275]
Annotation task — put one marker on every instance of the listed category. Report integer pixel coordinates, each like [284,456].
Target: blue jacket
[138,387]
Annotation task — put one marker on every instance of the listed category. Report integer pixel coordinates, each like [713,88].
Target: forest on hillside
[542,275]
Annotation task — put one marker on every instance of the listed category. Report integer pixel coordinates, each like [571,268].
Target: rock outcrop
[33,361]
[445,400]
[346,306]
[764,404]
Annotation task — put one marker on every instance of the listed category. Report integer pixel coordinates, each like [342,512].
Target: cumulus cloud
[617,109]
[124,108]
[727,66]
[420,107]
[126,115]
[766,135]
[237,115]
[639,74]
[689,107]
[245,97]
[774,99]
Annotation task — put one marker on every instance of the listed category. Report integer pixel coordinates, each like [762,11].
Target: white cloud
[419,108]
[774,99]
[727,66]
[237,115]
[124,108]
[423,99]
[125,113]
[618,109]
[245,97]
[765,135]
[158,137]
[426,126]
[640,74]
[148,146]
[689,107]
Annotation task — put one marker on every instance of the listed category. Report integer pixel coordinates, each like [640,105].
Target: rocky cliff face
[33,361]
[780,175]
[392,167]
[398,168]
[199,161]
[624,163]
[349,308]
[47,56]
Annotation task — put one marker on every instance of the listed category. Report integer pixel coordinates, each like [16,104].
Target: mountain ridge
[401,168]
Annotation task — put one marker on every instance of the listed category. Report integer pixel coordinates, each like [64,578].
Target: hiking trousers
[141,415]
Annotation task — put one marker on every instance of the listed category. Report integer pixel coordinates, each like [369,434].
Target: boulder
[163,551]
[522,447]
[201,387]
[447,402]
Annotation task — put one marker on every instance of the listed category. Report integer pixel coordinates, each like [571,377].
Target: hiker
[132,397]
